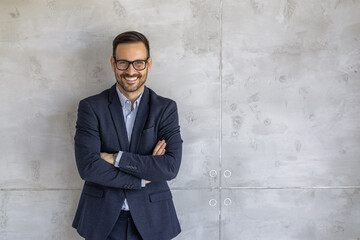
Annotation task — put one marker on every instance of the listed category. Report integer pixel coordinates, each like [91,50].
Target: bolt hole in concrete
[227,173]
[227,202]
[213,173]
[212,202]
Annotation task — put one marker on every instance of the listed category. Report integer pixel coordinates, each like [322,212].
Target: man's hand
[159,148]
[109,157]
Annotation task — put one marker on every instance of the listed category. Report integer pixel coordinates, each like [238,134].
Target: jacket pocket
[160,196]
[93,191]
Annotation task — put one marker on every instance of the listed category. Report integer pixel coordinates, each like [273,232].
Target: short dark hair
[130,37]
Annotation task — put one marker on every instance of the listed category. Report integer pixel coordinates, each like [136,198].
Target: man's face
[131,80]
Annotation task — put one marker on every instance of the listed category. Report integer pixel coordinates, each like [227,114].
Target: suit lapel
[141,117]
[118,118]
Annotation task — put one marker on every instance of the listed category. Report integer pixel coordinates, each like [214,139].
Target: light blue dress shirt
[129,119]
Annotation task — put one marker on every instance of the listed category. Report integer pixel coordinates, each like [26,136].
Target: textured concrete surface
[27,214]
[291,214]
[268,95]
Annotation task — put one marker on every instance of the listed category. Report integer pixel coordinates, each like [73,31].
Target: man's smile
[130,79]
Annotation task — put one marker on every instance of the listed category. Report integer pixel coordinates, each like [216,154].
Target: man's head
[131,62]
[131,37]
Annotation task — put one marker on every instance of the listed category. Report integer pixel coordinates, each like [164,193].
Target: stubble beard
[120,79]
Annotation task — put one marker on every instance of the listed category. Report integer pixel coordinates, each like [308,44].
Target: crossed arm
[159,150]
[94,166]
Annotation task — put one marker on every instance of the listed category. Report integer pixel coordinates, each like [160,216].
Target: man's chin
[131,89]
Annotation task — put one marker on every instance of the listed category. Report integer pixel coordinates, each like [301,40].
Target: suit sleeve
[87,153]
[158,168]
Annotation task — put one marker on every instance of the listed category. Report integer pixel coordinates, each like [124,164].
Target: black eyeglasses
[123,65]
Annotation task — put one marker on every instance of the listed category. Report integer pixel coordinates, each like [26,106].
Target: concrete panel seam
[39,189]
[221,109]
[301,187]
[192,188]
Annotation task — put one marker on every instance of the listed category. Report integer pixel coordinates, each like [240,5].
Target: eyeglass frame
[130,63]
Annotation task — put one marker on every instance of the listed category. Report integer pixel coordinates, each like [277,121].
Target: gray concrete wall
[268,96]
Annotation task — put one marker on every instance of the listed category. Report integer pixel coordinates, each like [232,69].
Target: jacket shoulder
[97,101]
[104,95]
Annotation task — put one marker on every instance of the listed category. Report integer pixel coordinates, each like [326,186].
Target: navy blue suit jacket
[100,128]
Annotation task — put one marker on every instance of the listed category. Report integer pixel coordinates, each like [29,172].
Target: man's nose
[131,70]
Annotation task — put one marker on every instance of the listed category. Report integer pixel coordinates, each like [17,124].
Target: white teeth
[131,78]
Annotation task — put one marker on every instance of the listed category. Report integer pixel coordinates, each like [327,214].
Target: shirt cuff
[143,182]
[117,160]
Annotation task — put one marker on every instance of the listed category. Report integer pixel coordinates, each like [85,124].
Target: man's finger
[162,150]
[159,147]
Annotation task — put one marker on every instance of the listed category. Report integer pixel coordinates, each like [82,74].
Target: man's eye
[122,63]
[139,63]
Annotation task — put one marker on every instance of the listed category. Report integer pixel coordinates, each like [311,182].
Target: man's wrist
[143,182]
[115,156]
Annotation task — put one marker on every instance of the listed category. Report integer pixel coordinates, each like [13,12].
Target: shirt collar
[126,103]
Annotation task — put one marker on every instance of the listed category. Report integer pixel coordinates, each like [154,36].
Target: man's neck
[131,96]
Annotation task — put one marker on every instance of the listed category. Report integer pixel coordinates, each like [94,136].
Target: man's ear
[149,63]
[112,62]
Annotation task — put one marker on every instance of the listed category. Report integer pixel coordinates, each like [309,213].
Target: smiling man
[127,146]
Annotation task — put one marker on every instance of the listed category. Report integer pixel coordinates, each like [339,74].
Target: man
[127,145]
